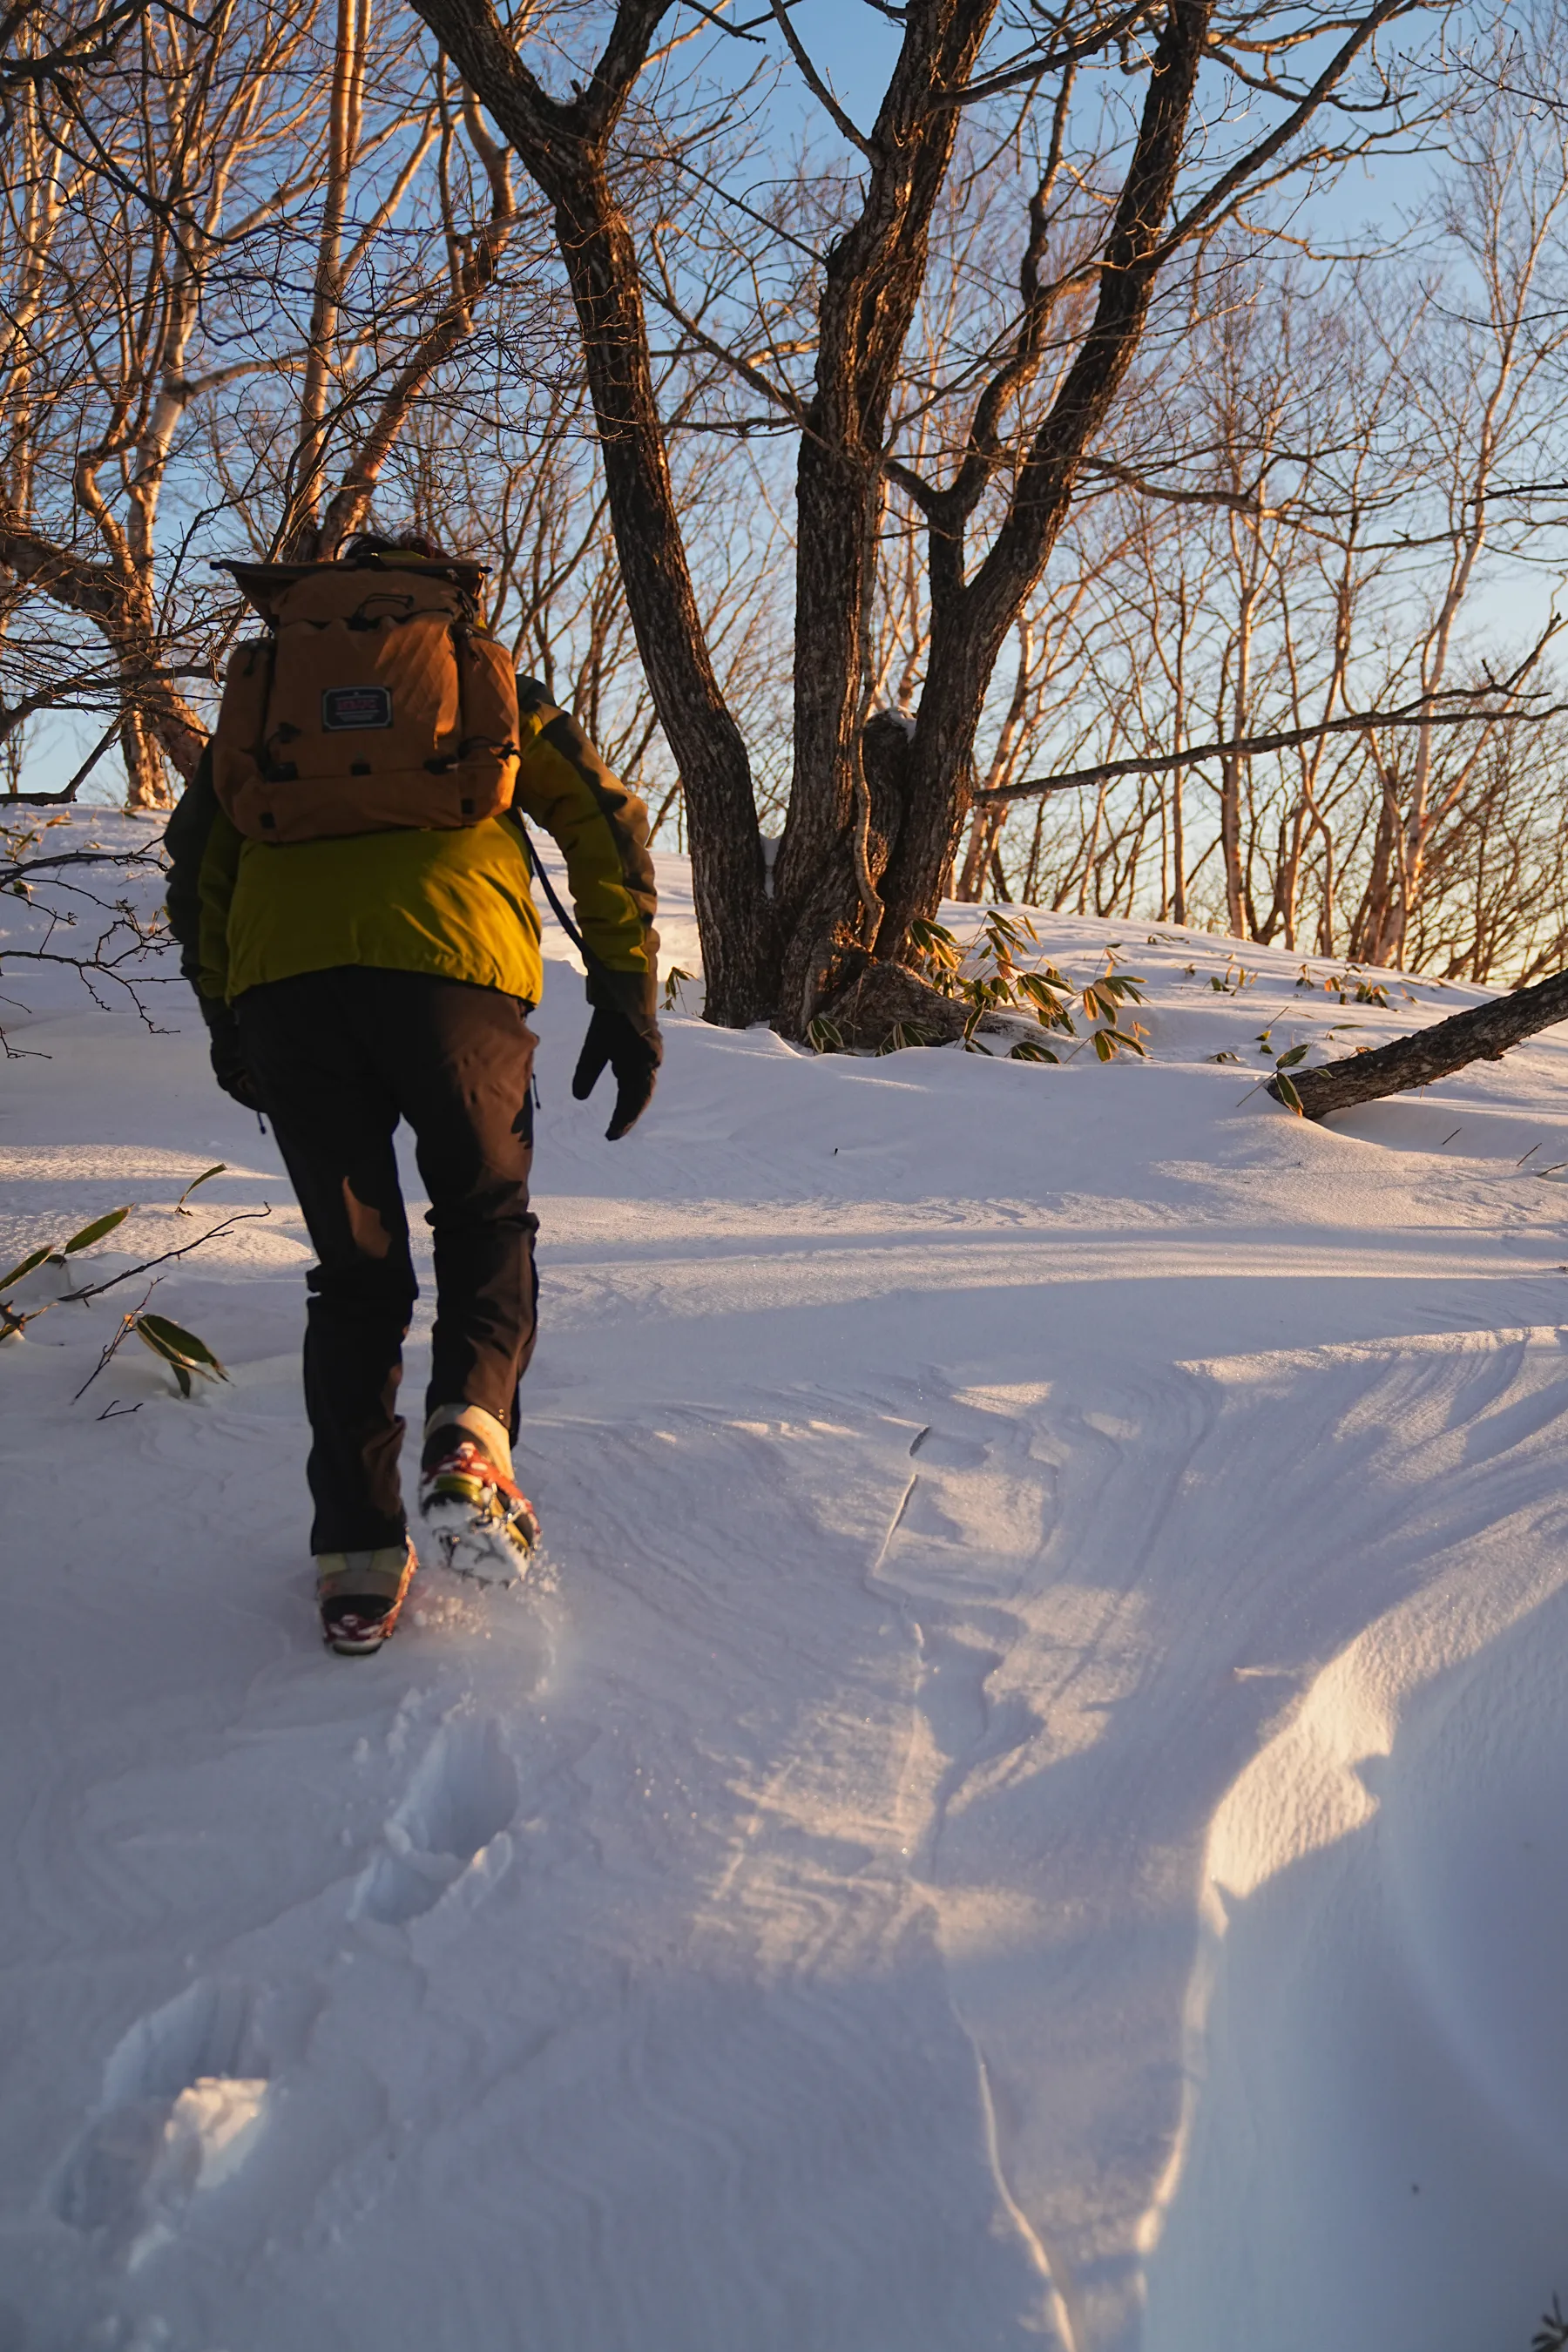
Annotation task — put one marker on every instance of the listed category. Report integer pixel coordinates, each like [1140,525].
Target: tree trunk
[159,721]
[879,999]
[728,885]
[1178,852]
[301,543]
[1482,1034]
[980,855]
[829,901]
[971,618]
[146,777]
[563,148]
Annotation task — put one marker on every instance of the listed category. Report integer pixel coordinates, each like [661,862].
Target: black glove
[629,1046]
[230,1069]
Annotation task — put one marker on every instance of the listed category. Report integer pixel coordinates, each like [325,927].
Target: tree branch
[1418,713]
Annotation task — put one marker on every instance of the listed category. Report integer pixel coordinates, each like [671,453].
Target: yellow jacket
[455,903]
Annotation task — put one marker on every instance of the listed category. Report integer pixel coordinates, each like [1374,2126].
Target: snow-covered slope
[1025,1810]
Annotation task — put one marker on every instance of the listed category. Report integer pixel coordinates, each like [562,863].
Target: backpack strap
[530,691]
[537,870]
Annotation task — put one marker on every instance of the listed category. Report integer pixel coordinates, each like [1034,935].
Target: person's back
[349,890]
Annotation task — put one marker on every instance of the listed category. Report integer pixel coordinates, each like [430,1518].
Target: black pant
[340,1056]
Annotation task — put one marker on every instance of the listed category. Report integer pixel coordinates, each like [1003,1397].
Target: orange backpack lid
[264,585]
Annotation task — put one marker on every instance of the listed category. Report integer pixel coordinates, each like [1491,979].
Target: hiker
[349,886]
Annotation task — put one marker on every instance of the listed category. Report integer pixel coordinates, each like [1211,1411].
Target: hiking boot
[482,1521]
[360,1594]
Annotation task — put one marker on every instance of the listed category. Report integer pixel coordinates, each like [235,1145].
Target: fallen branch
[1482,1034]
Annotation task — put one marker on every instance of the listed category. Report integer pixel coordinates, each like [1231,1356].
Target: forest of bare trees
[1119,466]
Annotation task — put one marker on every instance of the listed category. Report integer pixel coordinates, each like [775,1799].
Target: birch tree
[216,261]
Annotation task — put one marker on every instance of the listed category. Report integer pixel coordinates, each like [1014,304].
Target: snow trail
[985,1834]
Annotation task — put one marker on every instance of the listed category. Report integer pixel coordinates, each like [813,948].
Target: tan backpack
[379,703]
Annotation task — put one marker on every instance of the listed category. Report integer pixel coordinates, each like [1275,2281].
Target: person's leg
[462,1069]
[334,1114]
[460,1062]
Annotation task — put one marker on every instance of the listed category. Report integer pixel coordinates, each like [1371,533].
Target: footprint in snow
[183,2104]
[461,1799]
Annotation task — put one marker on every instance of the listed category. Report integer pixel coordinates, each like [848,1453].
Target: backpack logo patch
[344,706]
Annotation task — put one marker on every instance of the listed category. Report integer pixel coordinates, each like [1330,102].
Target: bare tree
[1293,609]
[850,879]
[101,374]
[155,271]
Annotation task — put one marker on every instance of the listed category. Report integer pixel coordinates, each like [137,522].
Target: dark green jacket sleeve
[185,840]
[202,850]
[602,829]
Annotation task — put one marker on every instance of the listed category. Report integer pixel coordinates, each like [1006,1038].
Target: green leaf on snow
[95,1230]
[172,1340]
[217,1168]
[27,1265]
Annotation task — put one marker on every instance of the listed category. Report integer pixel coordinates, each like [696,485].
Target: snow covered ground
[1028,1809]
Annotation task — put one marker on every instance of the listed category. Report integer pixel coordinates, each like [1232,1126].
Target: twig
[127,1323]
[97,1289]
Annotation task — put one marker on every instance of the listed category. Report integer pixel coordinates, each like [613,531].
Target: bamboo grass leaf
[172,1340]
[95,1230]
[218,1168]
[27,1265]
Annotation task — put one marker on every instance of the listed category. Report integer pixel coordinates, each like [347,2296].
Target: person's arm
[602,830]
[185,840]
[203,849]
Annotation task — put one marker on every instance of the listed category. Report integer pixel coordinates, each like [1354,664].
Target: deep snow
[1026,1809]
